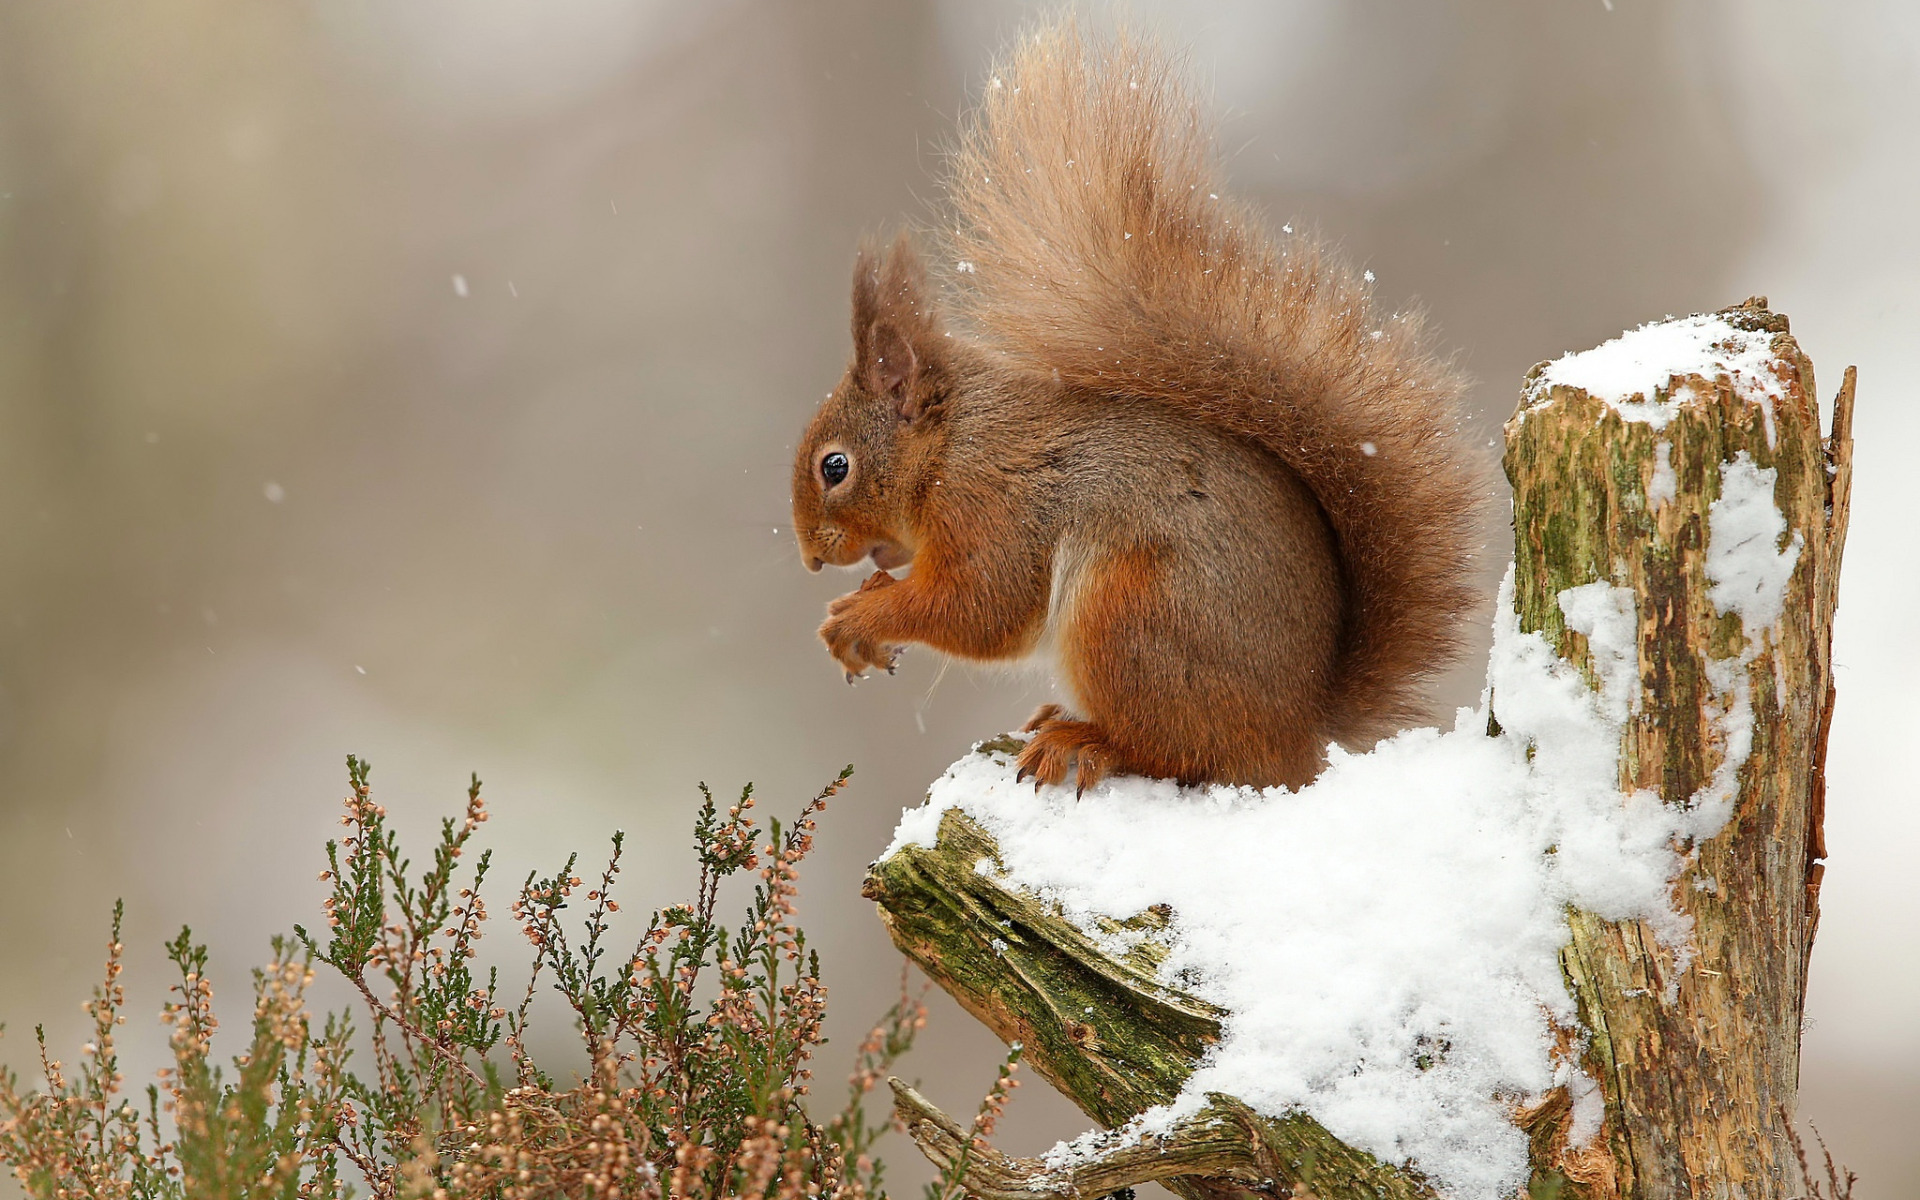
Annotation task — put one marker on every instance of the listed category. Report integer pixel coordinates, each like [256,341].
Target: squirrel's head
[861,463]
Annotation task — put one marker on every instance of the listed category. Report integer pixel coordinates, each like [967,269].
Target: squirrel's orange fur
[1186,461]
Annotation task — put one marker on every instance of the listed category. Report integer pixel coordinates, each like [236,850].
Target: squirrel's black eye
[833,468]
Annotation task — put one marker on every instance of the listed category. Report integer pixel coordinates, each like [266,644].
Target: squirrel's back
[1089,239]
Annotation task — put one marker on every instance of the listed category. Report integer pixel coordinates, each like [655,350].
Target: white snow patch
[1747,572]
[1589,1108]
[1745,562]
[1664,485]
[1730,709]
[1604,615]
[1386,939]
[921,826]
[1632,370]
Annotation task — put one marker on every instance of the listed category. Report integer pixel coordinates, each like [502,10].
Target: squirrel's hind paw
[1060,747]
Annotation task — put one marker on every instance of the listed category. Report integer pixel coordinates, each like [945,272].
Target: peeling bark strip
[1697,1052]
[1694,1043]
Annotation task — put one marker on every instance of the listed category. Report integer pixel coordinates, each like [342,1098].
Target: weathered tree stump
[1699,1060]
[1695,1047]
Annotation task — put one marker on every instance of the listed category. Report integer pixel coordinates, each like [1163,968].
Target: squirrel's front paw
[850,636]
[869,585]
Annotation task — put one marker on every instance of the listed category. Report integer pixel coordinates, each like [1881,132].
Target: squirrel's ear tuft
[866,298]
[894,328]
[893,368]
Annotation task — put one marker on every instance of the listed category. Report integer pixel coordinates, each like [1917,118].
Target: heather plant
[698,1045]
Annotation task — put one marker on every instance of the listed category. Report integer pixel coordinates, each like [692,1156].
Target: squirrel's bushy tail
[1088,238]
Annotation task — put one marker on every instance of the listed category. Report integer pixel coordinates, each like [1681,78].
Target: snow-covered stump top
[1563,941]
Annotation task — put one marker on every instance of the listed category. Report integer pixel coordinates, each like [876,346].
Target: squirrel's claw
[1044,761]
[1090,767]
[856,658]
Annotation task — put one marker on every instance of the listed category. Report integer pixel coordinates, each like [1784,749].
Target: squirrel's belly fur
[1193,580]
[1185,463]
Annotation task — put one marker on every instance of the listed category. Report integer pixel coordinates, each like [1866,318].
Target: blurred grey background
[418,379]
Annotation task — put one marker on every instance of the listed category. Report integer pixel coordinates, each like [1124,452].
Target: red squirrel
[1183,461]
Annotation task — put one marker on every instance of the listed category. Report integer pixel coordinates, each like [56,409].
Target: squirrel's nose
[813,564]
